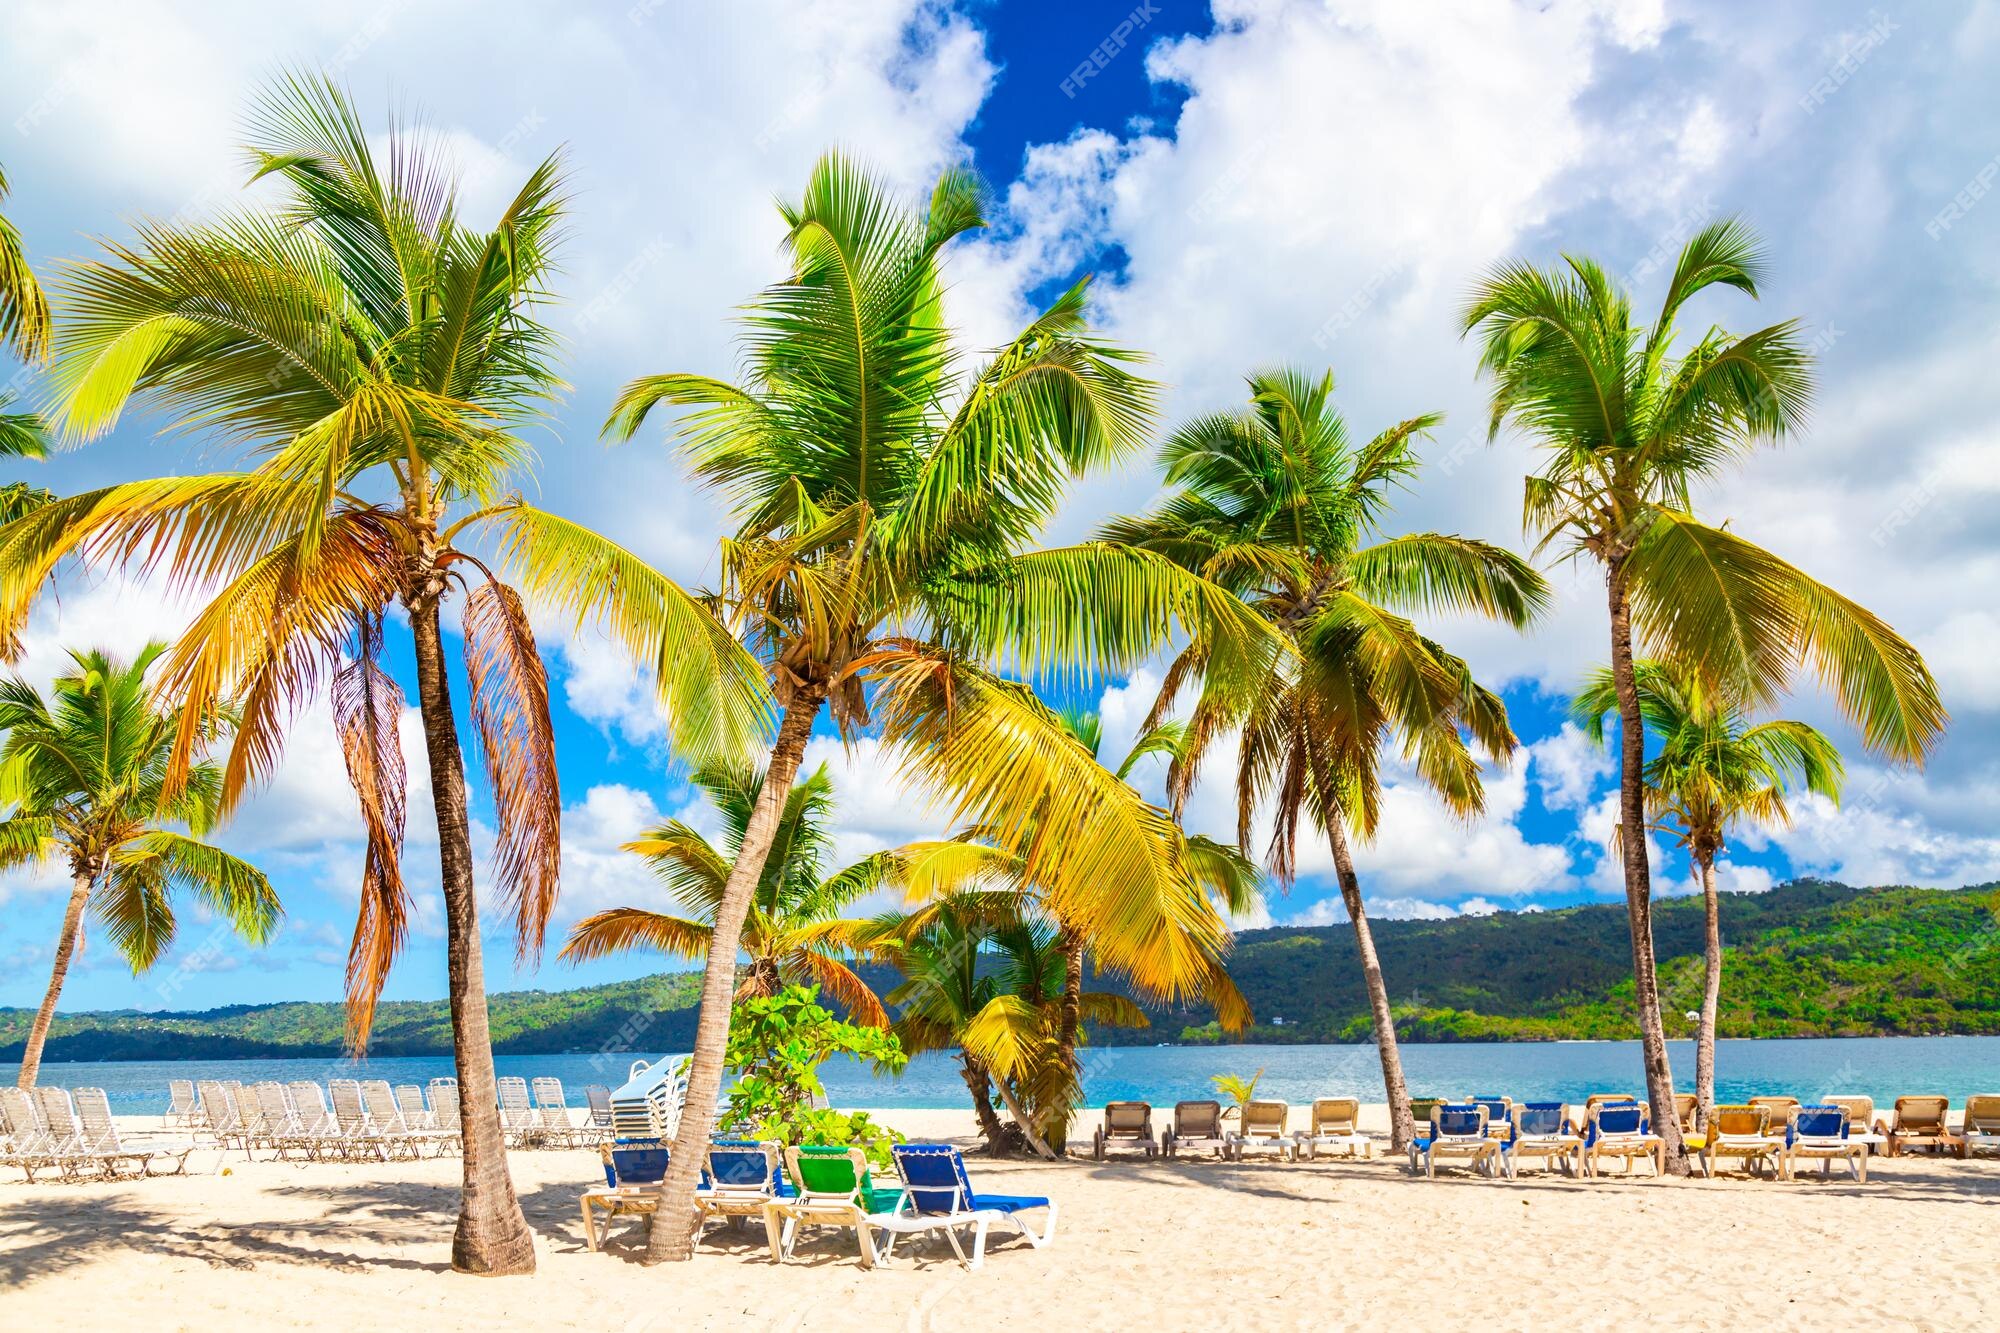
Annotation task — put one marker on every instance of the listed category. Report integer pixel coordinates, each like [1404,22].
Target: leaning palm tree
[985,974]
[379,357]
[1277,504]
[25,328]
[791,933]
[85,778]
[885,490]
[1630,423]
[1713,769]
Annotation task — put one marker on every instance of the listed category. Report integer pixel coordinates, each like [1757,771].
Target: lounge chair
[99,1135]
[1918,1122]
[1781,1109]
[397,1137]
[1263,1130]
[1745,1132]
[552,1111]
[1618,1129]
[1334,1124]
[938,1195]
[1981,1126]
[1456,1130]
[1499,1114]
[24,1139]
[598,1098]
[181,1108]
[359,1135]
[1128,1123]
[1821,1132]
[633,1173]
[1197,1124]
[283,1123]
[1421,1108]
[833,1190]
[742,1177]
[445,1112]
[520,1127]
[1542,1129]
[219,1119]
[410,1101]
[1687,1112]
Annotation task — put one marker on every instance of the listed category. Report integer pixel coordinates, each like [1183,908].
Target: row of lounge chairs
[369,1118]
[1495,1135]
[793,1188]
[73,1135]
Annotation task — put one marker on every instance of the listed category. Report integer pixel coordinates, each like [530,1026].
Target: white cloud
[1567,767]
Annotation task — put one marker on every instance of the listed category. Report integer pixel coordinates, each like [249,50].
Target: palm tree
[85,777]
[1713,768]
[379,357]
[1630,423]
[24,326]
[1275,503]
[985,974]
[884,491]
[792,930]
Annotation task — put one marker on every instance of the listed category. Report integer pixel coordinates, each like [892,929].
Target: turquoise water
[1879,1067]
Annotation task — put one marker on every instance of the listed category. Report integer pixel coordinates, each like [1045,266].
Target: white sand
[1193,1244]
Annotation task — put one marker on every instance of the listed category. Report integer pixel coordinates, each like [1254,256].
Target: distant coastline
[1807,959]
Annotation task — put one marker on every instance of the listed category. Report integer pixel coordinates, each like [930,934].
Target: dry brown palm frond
[510,716]
[367,705]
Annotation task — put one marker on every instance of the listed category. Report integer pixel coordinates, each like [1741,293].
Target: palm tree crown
[792,933]
[86,776]
[1713,767]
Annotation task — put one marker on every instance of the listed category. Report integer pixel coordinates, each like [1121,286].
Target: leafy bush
[776,1045]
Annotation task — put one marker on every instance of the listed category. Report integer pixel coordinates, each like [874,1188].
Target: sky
[1254,183]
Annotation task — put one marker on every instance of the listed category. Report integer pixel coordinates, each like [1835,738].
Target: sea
[1879,1067]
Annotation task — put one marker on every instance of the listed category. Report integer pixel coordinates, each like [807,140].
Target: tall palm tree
[792,930]
[885,490]
[379,357]
[85,778]
[1713,768]
[25,328]
[1630,422]
[1279,505]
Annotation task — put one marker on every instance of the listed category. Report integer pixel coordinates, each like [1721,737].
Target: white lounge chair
[519,1125]
[552,1113]
[27,1143]
[1618,1129]
[143,1153]
[181,1107]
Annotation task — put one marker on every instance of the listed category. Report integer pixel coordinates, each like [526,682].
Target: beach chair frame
[1625,1145]
[1821,1132]
[1922,1121]
[1197,1124]
[1542,1129]
[938,1194]
[1333,1123]
[1742,1131]
[1263,1130]
[1457,1130]
[1128,1123]
[826,1197]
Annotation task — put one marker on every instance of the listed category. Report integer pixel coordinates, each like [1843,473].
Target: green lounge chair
[834,1190]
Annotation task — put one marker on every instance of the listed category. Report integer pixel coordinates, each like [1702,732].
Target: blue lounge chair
[1499,1115]
[633,1171]
[938,1194]
[742,1176]
[1542,1129]
[1619,1129]
[1822,1132]
[1456,1131]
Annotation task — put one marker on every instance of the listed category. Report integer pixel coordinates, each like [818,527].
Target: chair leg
[863,1230]
[979,1228]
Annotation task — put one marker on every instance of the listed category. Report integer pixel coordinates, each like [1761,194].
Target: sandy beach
[1189,1244]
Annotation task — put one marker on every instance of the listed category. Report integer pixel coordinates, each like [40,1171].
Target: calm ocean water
[1880,1067]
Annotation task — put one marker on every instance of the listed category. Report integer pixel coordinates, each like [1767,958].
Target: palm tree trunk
[1401,1125]
[31,1054]
[981,1086]
[1069,1025]
[1024,1120]
[492,1236]
[1711,993]
[1639,876]
[672,1236]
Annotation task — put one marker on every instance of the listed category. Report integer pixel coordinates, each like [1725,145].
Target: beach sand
[1191,1244]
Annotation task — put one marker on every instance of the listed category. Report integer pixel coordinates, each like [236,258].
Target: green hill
[1807,959]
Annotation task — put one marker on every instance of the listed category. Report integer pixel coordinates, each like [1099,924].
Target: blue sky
[1254,183]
